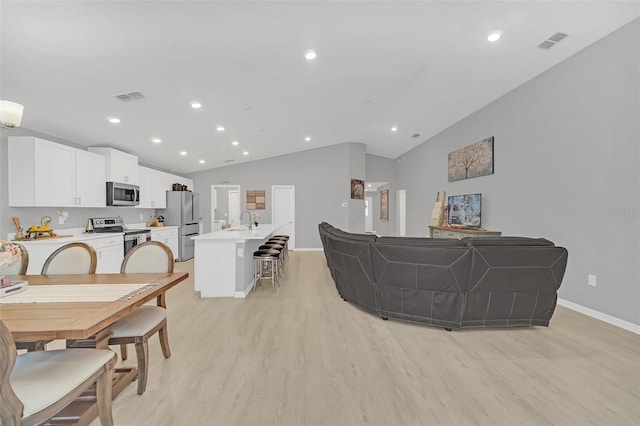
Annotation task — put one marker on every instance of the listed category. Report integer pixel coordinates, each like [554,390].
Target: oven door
[132,239]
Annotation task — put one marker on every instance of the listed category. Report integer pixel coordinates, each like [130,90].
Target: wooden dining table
[82,308]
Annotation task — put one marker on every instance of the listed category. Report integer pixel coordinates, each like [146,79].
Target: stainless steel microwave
[122,194]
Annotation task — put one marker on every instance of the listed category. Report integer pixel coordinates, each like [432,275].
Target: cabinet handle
[126,178]
[79,200]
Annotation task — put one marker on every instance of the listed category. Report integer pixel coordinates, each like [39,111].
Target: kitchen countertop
[71,239]
[260,232]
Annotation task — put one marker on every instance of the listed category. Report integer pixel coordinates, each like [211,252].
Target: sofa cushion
[505,241]
[351,236]
[422,242]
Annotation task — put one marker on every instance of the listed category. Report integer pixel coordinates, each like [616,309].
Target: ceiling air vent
[415,135]
[229,161]
[128,97]
[552,41]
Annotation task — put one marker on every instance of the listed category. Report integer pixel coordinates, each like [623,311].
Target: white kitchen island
[223,260]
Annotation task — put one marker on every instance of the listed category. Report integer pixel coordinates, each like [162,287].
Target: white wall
[322,178]
[566,168]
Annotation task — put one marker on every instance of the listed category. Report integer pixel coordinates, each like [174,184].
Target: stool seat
[266,253]
[286,237]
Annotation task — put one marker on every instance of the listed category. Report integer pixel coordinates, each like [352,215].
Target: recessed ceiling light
[220,128]
[310,55]
[196,105]
[494,36]
[245,152]
[201,161]
[394,129]
[113,120]
[307,139]
[235,143]
[368,185]
[183,153]
[156,140]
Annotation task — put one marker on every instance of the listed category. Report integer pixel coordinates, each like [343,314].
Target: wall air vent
[552,41]
[415,135]
[128,97]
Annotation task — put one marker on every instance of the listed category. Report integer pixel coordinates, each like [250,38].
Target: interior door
[234,208]
[402,212]
[283,211]
[368,214]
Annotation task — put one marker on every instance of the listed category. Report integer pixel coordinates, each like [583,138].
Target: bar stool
[282,240]
[275,246]
[261,260]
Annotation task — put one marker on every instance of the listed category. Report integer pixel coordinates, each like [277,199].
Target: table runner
[65,293]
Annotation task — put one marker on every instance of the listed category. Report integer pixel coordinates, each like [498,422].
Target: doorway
[368,214]
[225,207]
[283,211]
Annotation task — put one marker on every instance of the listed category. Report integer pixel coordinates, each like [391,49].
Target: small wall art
[357,189]
[384,205]
[472,161]
[255,199]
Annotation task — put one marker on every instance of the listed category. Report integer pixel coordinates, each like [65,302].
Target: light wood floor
[303,356]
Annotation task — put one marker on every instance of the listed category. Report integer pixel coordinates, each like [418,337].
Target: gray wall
[380,169]
[322,178]
[222,209]
[357,168]
[31,216]
[566,168]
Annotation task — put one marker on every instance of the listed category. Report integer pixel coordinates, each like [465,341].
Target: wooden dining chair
[144,322]
[72,258]
[18,268]
[36,385]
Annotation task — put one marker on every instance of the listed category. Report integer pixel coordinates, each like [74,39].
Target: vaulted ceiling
[416,66]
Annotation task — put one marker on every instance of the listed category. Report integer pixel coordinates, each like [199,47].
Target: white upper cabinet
[48,174]
[153,187]
[121,166]
[90,179]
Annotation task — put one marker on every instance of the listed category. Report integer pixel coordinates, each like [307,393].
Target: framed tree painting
[357,189]
[472,161]
[384,205]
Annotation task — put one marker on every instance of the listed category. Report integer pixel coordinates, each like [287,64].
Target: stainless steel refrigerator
[183,209]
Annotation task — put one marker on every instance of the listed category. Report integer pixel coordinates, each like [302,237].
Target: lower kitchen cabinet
[167,236]
[109,251]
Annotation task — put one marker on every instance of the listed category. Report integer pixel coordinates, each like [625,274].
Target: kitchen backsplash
[77,217]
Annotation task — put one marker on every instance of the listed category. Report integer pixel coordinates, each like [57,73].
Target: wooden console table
[451,232]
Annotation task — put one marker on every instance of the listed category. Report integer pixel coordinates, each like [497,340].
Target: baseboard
[245,293]
[306,249]
[629,326]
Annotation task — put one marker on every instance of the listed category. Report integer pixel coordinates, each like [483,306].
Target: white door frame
[401,202]
[368,219]
[292,236]
[214,201]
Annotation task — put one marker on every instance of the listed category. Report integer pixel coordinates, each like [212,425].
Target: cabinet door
[90,179]
[146,188]
[54,174]
[173,243]
[109,259]
[124,167]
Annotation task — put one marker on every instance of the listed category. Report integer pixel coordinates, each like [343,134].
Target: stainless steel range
[132,237]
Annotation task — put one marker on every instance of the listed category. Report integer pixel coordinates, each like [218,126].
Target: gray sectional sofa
[473,282]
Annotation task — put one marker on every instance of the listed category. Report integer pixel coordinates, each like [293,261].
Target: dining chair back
[144,322]
[36,385]
[18,268]
[72,258]
[152,256]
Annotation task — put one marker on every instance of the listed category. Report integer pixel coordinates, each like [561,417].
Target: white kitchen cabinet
[153,187]
[121,167]
[109,250]
[110,253]
[48,174]
[167,236]
[90,180]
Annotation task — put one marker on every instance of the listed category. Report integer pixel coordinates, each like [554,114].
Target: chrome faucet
[242,214]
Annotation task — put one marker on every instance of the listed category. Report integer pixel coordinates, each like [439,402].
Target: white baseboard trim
[306,249]
[629,326]
[245,293]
